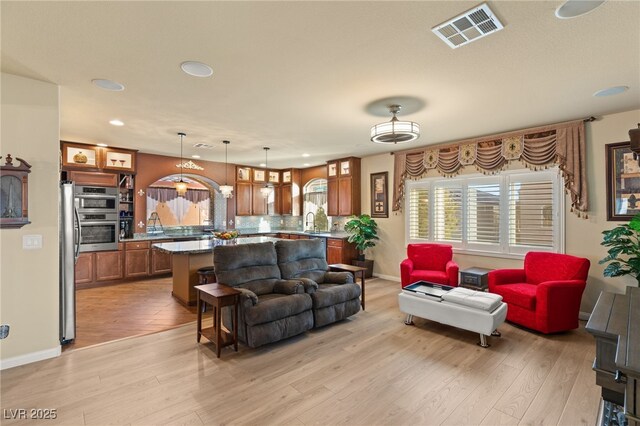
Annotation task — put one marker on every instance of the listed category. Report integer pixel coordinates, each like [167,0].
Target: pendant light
[226,190]
[395,131]
[181,186]
[266,189]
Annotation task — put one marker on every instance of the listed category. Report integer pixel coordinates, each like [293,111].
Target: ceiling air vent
[467,27]
[203,146]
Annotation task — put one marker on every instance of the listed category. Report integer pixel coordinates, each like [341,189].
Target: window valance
[539,147]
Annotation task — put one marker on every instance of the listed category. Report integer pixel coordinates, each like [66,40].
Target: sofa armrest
[338,277]
[310,286]
[406,267]
[247,297]
[505,276]
[558,304]
[452,272]
[288,287]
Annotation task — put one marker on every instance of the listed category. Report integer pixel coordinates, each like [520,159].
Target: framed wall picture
[623,182]
[379,195]
[243,174]
[286,176]
[332,169]
[259,175]
[274,177]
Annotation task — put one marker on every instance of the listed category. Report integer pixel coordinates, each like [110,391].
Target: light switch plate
[31,242]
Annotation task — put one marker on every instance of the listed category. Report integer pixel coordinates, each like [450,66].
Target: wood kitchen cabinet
[85,156]
[161,262]
[258,201]
[340,250]
[136,259]
[243,199]
[291,203]
[85,267]
[343,187]
[108,265]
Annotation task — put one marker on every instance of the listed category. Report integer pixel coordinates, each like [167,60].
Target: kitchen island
[189,256]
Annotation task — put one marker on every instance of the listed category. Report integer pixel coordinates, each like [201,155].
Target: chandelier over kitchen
[395,131]
[266,189]
[181,186]
[226,189]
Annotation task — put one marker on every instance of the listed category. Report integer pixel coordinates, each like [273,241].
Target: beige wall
[29,278]
[582,236]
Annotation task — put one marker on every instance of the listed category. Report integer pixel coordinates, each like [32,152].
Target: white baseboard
[387,277]
[29,358]
[584,316]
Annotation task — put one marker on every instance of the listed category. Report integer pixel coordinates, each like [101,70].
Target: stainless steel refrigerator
[69,249]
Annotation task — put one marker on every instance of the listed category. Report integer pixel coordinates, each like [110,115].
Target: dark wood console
[615,324]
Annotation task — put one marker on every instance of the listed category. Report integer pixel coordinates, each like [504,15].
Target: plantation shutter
[531,213]
[419,213]
[483,213]
[447,221]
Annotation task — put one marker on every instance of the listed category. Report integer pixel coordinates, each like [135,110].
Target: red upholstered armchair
[546,294]
[429,262]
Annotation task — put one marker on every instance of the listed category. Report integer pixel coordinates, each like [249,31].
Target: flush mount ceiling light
[610,91]
[196,69]
[469,26]
[110,85]
[226,189]
[116,123]
[573,8]
[395,131]
[181,186]
[266,189]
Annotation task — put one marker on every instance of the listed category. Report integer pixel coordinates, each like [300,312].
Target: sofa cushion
[519,294]
[430,256]
[302,259]
[272,307]
[541,266]
[331,294]
[253,266]
[438,277]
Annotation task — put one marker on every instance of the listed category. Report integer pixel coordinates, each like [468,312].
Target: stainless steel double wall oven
[97,209]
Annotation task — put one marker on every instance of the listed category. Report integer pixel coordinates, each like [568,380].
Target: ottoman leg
[409,319]
[483,341]
[496,333]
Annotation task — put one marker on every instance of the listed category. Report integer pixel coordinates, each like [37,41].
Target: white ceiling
[298,76]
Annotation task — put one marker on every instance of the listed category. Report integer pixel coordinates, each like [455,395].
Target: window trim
[504,178]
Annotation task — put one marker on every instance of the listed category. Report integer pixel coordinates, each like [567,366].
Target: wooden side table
[218,296]
[355,270]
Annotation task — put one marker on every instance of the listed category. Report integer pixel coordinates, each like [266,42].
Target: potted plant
[624,250]
[363,232]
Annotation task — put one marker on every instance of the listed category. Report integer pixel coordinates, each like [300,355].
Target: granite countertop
[206,246]
[204,236]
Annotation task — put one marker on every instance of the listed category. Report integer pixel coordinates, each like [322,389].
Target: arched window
[315,201]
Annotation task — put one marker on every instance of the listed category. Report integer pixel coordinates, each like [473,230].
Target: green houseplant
[363,233]
[623,255]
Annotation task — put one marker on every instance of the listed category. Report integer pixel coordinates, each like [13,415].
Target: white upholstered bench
[467,309]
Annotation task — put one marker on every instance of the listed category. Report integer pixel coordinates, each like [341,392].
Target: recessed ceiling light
[195,156]
[610,91]
[102,144]
[306,155]
[111,85]
[116,122]
[573,8]
[263,165]
[306,164]
[196,69]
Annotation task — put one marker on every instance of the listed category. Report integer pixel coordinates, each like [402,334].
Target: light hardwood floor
[370,369]
[134,308]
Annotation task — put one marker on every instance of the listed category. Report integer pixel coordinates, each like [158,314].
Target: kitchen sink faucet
[313,221]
